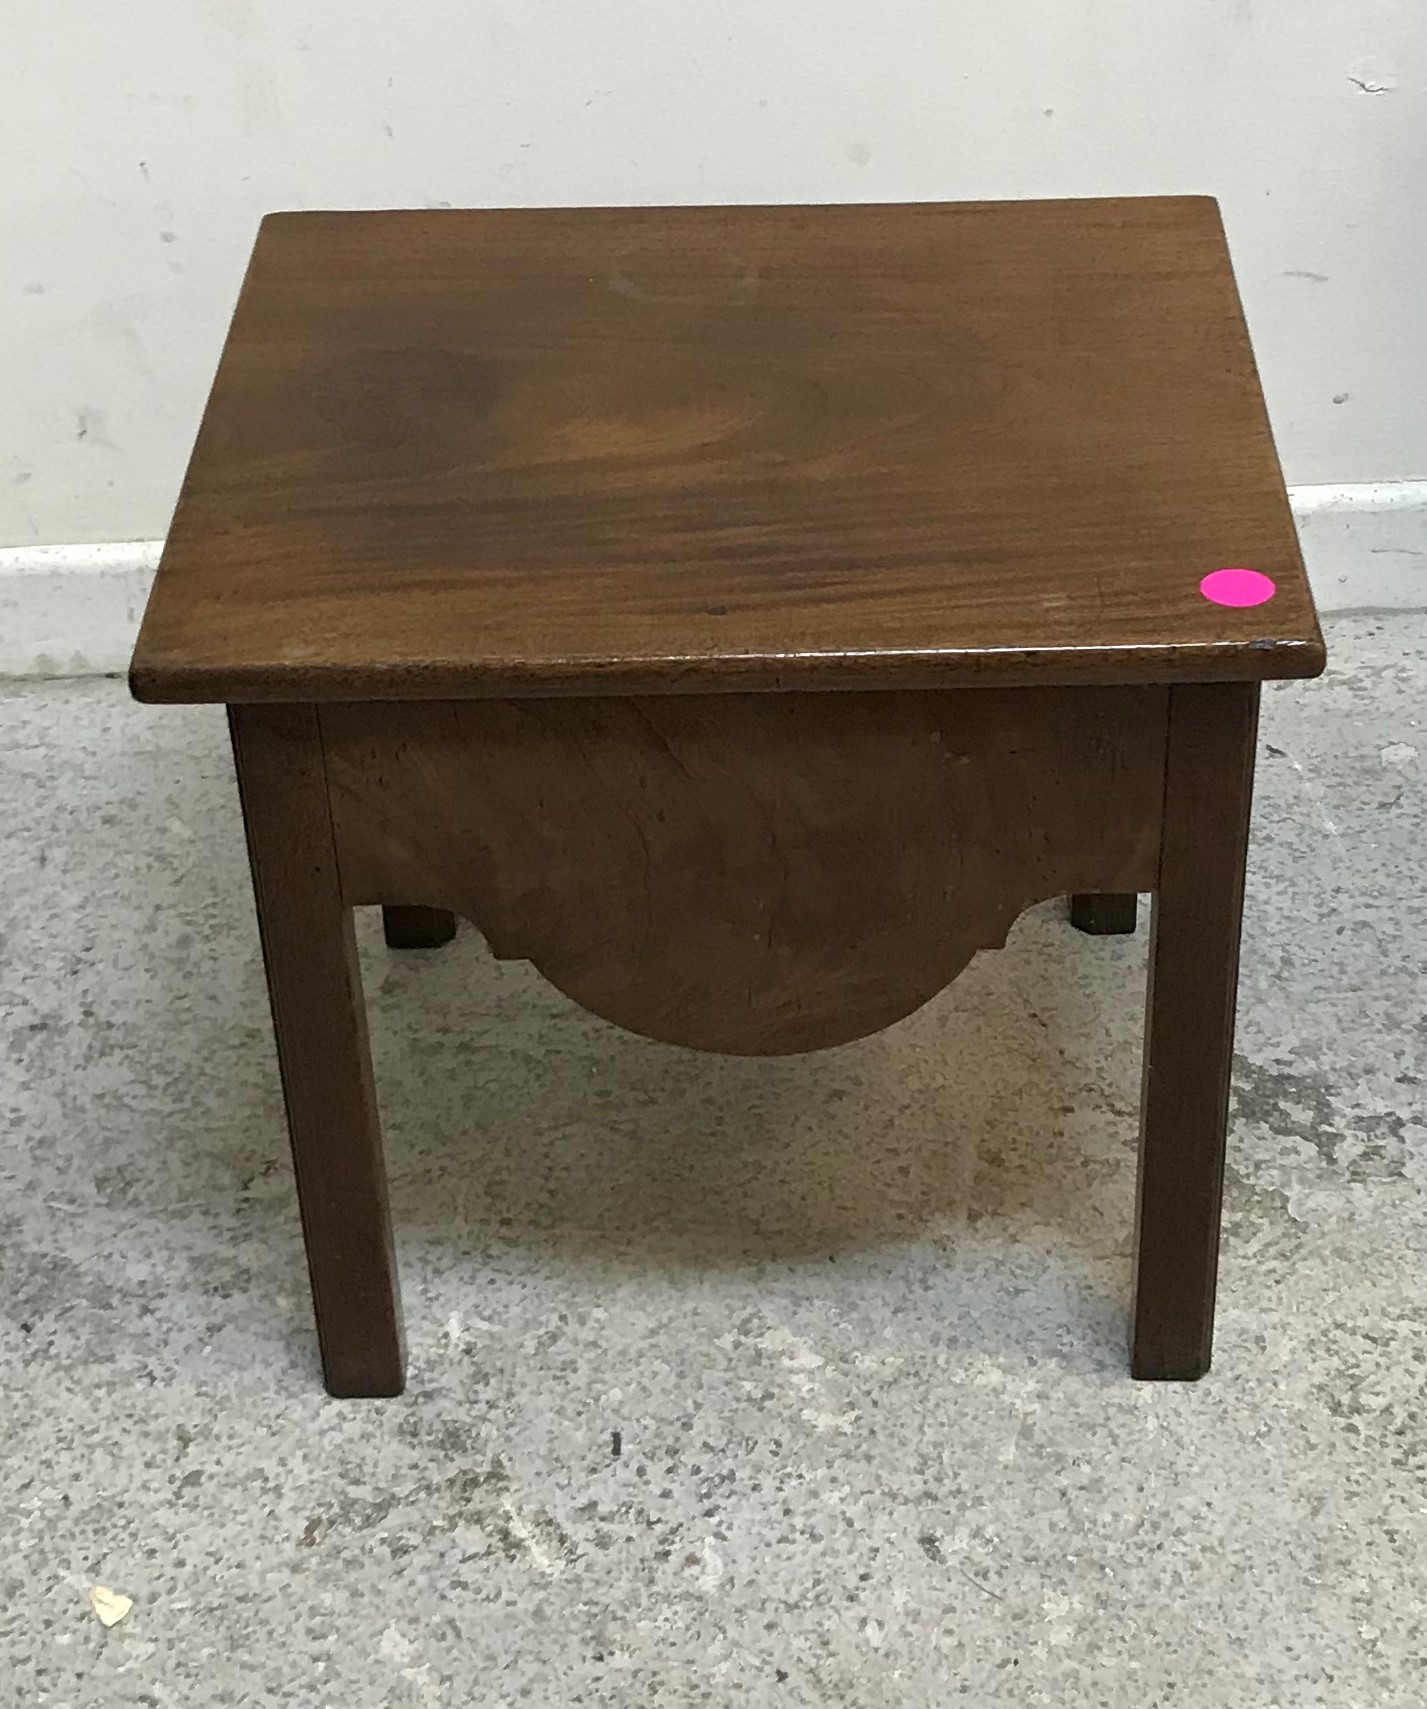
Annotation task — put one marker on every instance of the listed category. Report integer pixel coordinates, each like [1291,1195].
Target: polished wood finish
[320,1024]
[511,452]
[518,541]
[417,928]
[1111,915]
[1189,1044]
[751,874]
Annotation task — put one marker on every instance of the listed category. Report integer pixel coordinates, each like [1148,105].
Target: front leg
[1189,1047]
[320,1022]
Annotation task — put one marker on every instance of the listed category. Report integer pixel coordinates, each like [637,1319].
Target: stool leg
[418,928]
[1109,915]
[320,1022]
[1194,965]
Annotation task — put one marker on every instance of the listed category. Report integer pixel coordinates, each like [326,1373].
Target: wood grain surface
[748,873]
[454,454]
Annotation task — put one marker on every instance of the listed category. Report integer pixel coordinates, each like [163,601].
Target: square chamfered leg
[319,1019]
[1189,1040]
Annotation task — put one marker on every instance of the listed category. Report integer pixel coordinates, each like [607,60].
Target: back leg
[1104,915]
[418,928]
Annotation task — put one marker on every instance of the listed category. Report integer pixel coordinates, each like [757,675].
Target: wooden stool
[742,614]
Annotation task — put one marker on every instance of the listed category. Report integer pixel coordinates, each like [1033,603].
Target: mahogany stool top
[459,454]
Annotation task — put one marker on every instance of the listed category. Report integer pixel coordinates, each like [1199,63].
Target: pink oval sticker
[1237,587]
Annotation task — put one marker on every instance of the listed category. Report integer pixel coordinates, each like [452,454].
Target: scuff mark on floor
[1310,789]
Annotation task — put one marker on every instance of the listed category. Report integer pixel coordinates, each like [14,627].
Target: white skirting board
[74,610]
[1365,546]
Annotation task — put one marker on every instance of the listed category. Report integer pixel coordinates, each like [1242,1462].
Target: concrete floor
[788,1383]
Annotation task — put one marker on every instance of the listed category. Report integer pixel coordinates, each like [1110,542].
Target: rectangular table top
[465,453]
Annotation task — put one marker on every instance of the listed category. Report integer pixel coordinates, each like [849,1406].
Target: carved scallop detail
[756,874]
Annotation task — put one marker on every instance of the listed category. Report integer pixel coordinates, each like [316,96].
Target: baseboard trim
[74,610]
[1365,546]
